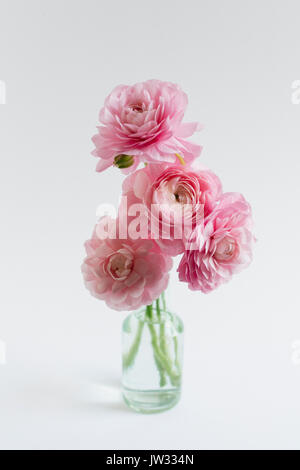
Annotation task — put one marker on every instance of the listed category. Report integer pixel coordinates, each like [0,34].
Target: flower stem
[128,359]
[162,360]
[175,341]
[163,298]
[149,311]
[162,332]
[149,315]
[158,308]
[163,380]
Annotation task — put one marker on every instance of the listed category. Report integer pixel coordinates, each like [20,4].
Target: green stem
[149,315]
[158,308]
[163,298]
[162,359]
[162,332]
[163,379]
[174,338]
[149,310]
[177,365]
[128,359]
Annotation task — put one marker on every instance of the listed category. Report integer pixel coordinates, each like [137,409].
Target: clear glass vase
[152,359]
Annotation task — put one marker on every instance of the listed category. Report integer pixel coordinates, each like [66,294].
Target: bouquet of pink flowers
[181,206]
[170,206]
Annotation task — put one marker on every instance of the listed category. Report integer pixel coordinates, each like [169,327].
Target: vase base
[151,401]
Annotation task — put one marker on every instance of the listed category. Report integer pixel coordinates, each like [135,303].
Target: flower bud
[123,161]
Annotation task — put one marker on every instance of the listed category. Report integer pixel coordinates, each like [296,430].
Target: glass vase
[152,344]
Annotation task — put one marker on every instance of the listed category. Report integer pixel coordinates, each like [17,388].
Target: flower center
[225,249]
[181,195]
[119,266]
[138,108]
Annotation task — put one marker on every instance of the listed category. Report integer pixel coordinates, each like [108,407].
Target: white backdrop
[237,61]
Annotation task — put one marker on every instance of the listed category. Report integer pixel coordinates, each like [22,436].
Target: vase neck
[153,315]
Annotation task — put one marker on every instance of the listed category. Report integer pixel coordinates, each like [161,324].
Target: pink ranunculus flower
[144,121]
[126,274]
[177,197]
[222,249]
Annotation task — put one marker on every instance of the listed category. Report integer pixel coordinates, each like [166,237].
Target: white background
[59,59]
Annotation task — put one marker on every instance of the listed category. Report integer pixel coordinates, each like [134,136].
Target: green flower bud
[123,161]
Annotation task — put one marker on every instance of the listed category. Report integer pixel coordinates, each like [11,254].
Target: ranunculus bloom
[144,121]
[178,197]
[126,274]
[222,249]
